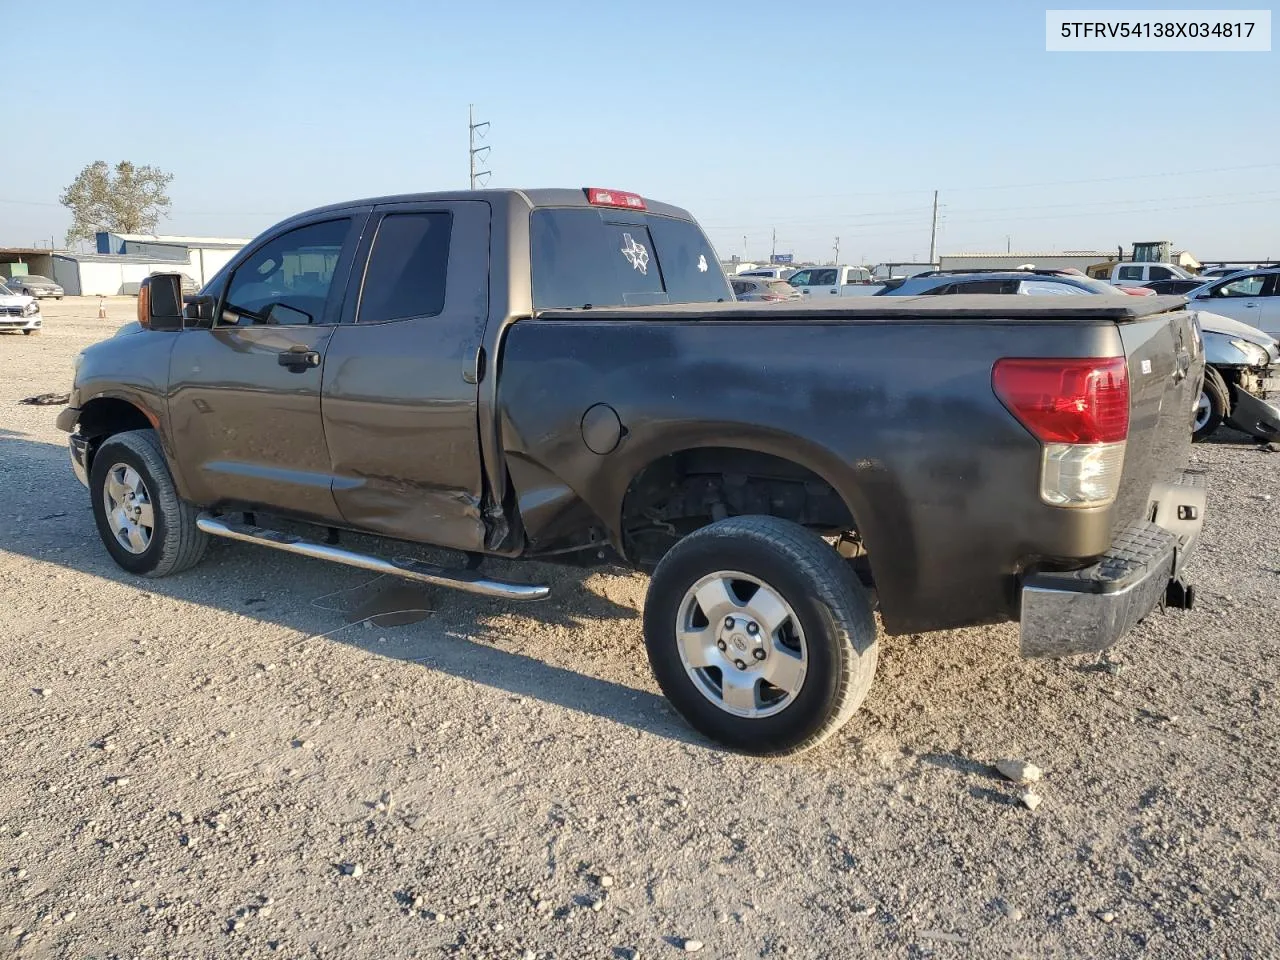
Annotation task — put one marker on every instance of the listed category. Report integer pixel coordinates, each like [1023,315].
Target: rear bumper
[1089,610]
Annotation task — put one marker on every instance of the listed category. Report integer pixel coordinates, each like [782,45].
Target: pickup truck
[564,375]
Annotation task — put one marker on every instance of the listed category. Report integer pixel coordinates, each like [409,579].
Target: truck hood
[1217,323]
[15,300]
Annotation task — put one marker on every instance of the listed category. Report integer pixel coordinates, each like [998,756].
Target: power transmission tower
[933,233]
[476,131]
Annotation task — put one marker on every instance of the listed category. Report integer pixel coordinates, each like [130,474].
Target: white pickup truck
[842,281]
[1135,274]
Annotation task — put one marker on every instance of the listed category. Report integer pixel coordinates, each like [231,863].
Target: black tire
[1217,395]
[828,601]
[29,332]
[175,542]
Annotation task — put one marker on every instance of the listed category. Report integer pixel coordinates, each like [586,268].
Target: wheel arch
[788,459]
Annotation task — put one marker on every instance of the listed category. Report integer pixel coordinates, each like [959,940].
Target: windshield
[608,258]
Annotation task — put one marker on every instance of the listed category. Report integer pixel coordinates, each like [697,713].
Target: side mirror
[160,302]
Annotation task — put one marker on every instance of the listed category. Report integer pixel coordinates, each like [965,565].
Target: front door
[1240,298]
[402,372]
[245,396]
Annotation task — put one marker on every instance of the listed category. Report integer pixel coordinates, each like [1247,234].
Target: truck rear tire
[1214,405]
[145,526]
[760,635]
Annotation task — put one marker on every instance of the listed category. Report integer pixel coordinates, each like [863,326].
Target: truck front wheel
[145,526]
[760,635]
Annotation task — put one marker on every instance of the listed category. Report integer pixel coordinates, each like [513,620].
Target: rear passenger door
[400,379]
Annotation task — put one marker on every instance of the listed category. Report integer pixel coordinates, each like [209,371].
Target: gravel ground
[218,765]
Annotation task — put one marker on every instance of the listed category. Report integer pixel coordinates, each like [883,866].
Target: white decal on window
[702,263]
[635,253]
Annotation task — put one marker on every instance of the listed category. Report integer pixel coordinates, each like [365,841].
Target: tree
[129,199]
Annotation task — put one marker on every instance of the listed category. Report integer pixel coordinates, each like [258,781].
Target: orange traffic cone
[102,308]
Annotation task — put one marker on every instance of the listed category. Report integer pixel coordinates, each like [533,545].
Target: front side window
[1242,287]
[407,268]
[1161,273]
[800,279]
[287,280]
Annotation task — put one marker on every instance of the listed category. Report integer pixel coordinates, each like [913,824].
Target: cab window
[287,280]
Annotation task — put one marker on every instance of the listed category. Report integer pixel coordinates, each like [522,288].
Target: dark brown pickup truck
[563,374]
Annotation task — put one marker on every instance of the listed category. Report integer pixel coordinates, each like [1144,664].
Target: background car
[763,289]
[1250,296]
[18,311]
[34,285]
[1240,359]
[1029,282]
[1174,286]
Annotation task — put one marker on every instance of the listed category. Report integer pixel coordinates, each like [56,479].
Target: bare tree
[128,199]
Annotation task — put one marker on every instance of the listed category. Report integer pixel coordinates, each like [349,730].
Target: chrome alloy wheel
[128,508]
[741,644]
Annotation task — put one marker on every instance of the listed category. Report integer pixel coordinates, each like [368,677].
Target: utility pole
[933,233]
[1008,244]
[836,261]
[476,131]
[773,247]
[744,246]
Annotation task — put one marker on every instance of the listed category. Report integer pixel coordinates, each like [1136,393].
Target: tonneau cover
[993,307]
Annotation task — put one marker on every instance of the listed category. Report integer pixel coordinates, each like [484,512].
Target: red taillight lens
[1068,400]
[601,197]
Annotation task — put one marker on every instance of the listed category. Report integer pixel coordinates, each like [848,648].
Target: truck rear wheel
[1213,407]
[145,526]
[760,635]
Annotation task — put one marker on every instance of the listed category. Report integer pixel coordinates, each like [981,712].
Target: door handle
[834,293]
[299,360]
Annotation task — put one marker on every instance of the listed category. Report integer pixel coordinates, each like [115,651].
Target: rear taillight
[1078,408]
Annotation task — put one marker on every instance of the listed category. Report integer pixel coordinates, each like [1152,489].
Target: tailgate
[1166,367]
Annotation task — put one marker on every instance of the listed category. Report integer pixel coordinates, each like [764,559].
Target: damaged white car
[18,311]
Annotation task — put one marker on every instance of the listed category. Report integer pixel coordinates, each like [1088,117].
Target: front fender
[1219,351]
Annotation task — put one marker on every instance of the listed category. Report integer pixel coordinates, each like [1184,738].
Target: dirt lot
[218,765]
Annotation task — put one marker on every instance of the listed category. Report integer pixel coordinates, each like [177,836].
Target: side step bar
[465,580]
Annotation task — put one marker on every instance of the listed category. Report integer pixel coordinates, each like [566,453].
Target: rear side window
[1131,273]
[589,256]
[407,267]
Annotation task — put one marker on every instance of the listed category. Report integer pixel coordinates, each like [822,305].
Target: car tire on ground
[1213,407]
[145,526]
[30,332]
[760,635]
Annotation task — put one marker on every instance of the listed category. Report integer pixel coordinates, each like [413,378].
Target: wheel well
[105,417]
[683,491]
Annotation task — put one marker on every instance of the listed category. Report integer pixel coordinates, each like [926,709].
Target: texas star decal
[635,253]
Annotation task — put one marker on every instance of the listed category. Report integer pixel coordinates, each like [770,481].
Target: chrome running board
[465,580]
